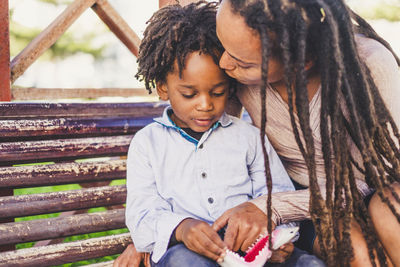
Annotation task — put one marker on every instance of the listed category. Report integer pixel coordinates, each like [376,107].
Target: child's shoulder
[244,125]
[149,131]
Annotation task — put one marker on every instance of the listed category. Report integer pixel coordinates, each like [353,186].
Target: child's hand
[199,237]
[282,254]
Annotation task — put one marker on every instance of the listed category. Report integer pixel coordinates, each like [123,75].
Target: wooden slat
[26,205]
[69,127]
[117,25]
[66,252]
[34,230]
[50,110]
[19,93]
[47,37]
[61,173]
[39,151]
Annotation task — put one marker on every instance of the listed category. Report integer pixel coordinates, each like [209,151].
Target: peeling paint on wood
[34,230]
[91,110]
[26,205]
[65,127]
[61,173]
[37,151]
[66,252]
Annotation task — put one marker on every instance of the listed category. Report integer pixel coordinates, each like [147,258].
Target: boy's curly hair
[172,33]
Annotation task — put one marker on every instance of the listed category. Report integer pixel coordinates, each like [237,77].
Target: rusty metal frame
[58,27]
[5,92]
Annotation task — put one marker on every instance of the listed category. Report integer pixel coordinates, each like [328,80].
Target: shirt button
[201,146]
[210,200]
[204,175]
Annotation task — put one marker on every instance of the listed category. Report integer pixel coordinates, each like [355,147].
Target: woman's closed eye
[244,66]
[218,94]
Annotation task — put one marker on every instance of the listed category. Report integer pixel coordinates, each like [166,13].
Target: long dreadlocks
[173,33]
[323,31]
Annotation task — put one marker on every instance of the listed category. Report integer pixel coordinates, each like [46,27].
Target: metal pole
[5,92]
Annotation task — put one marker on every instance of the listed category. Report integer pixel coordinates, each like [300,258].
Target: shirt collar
[166,121]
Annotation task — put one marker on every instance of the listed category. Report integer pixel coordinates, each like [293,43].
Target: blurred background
[89,55]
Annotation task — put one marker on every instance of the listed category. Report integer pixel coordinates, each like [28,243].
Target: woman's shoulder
[384,70]
[374,52]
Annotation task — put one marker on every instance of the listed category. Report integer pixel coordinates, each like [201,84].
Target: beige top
[293,206]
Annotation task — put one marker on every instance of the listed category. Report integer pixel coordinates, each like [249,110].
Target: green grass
[46,189]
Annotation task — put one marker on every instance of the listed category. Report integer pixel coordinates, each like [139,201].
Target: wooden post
[5,92]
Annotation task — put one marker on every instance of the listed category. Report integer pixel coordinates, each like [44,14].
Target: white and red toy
[258,254]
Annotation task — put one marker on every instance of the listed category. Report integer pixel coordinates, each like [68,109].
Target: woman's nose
[226,62]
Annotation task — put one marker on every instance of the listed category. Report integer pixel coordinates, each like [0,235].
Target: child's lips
[203,121]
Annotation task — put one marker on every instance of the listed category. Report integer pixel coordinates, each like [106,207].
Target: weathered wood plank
[66,252]
[12,110]
[26,205]
[66,127]
[20,93]
[62,173]
[36,151]
[27,231]
[48,37]
[117,25]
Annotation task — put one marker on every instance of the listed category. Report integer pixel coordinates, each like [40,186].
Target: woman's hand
[199,237]
[245,223]
[282,254]
[130,257]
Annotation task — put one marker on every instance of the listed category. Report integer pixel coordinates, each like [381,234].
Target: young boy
[195,162]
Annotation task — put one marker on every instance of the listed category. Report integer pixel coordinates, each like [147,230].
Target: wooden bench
[77,143]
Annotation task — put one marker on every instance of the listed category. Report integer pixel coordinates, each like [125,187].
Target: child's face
[199,98]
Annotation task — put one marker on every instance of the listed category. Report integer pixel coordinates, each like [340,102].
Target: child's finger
[204,246]
[231,234]
[215,238]
[221,222]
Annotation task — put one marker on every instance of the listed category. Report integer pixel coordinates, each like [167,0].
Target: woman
[331,119]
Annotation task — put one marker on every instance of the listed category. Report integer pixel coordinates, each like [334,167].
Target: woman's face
[242,57]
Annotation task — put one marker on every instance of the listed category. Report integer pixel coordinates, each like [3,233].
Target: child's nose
[205,103]
[226,62]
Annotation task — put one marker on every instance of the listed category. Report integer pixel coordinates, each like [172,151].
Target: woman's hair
[323,31]
[174,32]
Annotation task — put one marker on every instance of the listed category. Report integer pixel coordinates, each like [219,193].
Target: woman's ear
[162,91]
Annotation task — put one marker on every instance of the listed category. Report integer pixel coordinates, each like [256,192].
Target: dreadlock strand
[265,56]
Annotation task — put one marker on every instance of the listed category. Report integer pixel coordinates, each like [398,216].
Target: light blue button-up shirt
[172,176]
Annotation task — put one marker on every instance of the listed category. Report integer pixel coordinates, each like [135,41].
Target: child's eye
[188,96]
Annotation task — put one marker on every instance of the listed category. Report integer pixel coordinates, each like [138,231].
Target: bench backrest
[63,137]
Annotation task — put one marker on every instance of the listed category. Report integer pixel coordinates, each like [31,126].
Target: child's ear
[162,91]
